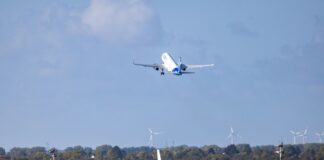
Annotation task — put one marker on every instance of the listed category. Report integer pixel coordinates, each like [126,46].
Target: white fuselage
[169,64]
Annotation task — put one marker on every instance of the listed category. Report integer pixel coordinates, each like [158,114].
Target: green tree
[143,156]
[115,154]
[2,151]
[102,152]
[212,149]
[18,153]
[39,156]
[264,153]
[308,154]
[75,153]
[88,151]
[34,150]
[166,154]
[231,150]
[195,153]
[320,153]
[291,151]
[244,148]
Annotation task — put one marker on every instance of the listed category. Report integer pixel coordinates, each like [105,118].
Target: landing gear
[162,71]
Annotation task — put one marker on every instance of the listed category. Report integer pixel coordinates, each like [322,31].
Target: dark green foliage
[309,154]
[320,153]
[2,151]
[264,153]
[88,151]
[244,149]
[143,155]
[292,151]
[190,153]
[132,150]
[75,153]
[209,152]
[102,152]
[115,154]
[231,150]
[166,154]
[39,156]
[212,149]
[18,153]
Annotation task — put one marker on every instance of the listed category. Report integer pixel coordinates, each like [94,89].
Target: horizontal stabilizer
[199,65]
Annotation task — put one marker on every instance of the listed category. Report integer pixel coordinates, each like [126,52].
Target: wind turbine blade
[156,133]
[47,146]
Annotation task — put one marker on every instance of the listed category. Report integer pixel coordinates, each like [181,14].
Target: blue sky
[67,76]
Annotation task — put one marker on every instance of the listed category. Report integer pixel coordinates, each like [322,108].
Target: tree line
[310,151]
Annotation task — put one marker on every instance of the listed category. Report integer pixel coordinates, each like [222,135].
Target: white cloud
[121,21]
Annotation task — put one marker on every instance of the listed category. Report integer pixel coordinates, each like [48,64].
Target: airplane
[171,66]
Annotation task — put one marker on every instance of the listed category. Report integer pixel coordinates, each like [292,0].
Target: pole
[281,151]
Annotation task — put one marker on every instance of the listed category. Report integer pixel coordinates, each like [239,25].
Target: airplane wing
[185,72]
[155,66]
[198,65]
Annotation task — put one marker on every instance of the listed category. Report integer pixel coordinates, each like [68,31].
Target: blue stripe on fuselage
[176,71]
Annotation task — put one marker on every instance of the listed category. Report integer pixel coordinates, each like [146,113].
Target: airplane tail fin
[158,155]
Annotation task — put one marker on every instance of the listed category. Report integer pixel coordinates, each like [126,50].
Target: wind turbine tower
[152,133]
[232,135]
[319,134]
[294,135]
[303,135]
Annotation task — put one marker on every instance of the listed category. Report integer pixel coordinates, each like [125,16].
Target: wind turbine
[152,133]
[232,135]
[303,135]
[319,134]
[294,135]
[47,146]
